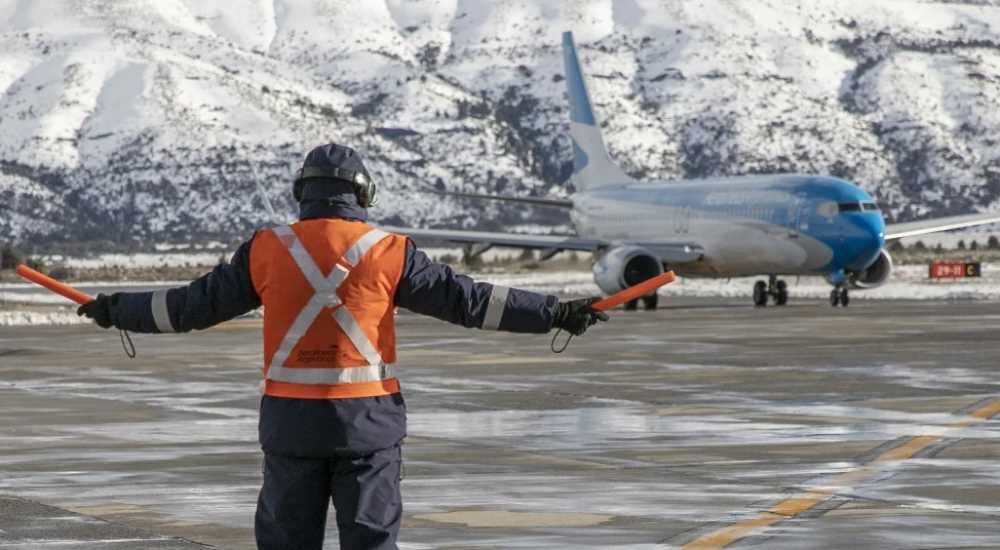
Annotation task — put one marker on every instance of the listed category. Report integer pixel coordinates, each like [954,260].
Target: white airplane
[788,224]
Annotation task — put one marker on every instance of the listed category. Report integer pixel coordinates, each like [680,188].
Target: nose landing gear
[840,297]
[776,289]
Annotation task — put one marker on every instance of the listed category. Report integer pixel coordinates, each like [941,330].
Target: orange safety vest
[328,288]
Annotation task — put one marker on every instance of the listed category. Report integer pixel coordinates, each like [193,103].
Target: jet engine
[874,275]
[625,266]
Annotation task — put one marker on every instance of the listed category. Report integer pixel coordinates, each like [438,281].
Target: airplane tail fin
[592,166]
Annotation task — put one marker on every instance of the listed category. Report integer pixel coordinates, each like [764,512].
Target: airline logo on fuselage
[746,197]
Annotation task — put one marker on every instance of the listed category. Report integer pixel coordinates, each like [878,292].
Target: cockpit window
[857,206]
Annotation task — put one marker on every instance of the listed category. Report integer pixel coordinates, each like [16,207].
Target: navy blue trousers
[291,509]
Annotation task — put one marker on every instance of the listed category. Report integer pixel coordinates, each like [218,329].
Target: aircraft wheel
[650,302]
[781,297]
[845,298]
[631,305]
[760,294]
[835,297]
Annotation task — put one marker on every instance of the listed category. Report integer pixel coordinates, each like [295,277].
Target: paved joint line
[797,505]
[76,543]
[910,505]
[936,449]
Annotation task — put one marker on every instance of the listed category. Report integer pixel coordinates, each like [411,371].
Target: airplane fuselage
[769,225]
[780,225]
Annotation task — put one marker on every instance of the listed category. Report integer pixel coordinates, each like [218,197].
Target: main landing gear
[774,288]
[649,303]
[840,297]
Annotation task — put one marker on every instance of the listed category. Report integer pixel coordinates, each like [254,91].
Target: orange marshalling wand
[53,285]
[646,287]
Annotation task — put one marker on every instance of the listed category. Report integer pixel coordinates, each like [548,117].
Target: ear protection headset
[364,188]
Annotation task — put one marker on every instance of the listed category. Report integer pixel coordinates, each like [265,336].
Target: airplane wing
[561,242]
[923,227]
[671,252]
[537,201]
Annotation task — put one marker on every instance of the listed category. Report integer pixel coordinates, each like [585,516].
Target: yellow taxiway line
[797,504]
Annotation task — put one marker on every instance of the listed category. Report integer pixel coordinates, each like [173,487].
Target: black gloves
[101,310]
[104,311]
[576,315]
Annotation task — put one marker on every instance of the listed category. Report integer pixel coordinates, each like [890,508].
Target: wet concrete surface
[703,425]
[25,524]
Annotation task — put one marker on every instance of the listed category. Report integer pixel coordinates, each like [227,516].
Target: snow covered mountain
[150,120]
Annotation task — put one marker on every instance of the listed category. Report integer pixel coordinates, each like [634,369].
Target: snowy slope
[152,120]
[909,283]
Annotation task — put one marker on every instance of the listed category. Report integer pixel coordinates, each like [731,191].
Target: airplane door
[682,220]
[795,219]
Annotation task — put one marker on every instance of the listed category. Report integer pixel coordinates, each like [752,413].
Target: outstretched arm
[434,289]
[220,295]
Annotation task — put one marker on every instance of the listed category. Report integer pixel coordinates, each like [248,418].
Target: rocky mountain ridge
[132,123]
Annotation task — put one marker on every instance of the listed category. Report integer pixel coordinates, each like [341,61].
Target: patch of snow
[907,283]
[37,298]
[19,318]
[140,260]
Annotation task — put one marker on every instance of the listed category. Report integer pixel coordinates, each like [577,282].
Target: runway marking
[797,504]
[908,449]
[988,411]
[728,535]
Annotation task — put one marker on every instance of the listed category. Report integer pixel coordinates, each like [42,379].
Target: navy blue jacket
[318,428]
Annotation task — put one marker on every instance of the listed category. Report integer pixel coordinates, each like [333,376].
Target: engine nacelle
[625,266]
[874,275]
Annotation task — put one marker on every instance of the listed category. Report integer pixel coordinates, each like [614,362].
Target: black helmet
[340,163]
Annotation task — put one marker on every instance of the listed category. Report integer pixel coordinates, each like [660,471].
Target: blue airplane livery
[772,226]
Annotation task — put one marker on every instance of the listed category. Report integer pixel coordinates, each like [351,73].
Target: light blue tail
[592,167]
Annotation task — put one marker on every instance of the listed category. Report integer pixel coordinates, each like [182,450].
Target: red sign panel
[954,270]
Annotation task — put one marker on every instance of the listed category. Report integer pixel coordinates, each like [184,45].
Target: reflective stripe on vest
[325,295]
